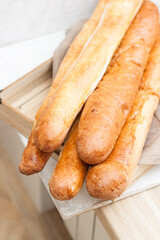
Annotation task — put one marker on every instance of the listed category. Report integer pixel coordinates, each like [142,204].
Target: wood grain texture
[19,219]
[11,226]
[136,217]
[15,119]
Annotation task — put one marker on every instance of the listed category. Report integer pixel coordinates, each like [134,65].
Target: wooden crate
[19,104]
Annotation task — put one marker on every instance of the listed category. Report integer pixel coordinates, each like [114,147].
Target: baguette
[108,106]
[70,172]
[84,75]
[110,178]
[33,160]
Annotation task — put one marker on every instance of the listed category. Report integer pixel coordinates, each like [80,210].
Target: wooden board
[19,104]
[134,218]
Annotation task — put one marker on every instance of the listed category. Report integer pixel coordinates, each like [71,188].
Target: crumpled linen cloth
[151,150]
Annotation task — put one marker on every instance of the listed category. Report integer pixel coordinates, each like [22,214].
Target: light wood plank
[136,217]
[35,102]
[15,119]
[48,226]
[34,92]
[11,226]
[20,199]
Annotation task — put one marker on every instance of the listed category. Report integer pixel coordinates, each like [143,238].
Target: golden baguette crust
[85,74]
[33,160]
[110,178]
[74,51]
[108,106]
[70,172]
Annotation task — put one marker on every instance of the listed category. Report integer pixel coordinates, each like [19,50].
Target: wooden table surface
[134,218]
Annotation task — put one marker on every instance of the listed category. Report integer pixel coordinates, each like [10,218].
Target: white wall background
[24,19]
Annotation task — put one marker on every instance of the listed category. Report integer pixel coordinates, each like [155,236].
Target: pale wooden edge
[101,212]
[35,99]
[21,200]
[15,119]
